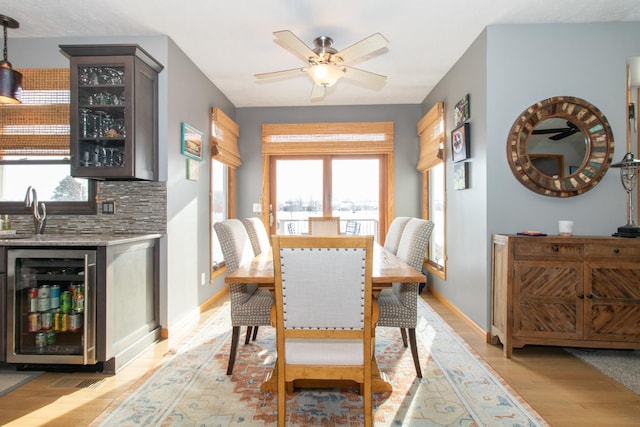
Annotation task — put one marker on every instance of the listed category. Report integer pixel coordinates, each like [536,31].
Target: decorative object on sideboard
[10,79]
[594,134]
[629,178]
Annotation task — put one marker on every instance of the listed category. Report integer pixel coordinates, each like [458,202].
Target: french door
[345,186]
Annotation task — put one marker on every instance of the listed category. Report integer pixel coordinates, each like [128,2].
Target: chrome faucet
[39,209]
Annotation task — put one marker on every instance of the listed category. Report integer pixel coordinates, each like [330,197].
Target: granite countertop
[73,239]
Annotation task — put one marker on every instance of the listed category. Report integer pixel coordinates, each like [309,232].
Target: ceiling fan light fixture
[10,79]
[325,74]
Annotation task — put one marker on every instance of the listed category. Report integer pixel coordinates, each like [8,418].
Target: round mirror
[560,147]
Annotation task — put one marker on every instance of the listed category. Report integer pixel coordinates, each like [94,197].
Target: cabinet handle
[555,248]
[616,251]
[581,296]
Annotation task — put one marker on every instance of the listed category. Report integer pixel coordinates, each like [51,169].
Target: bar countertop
[73,239]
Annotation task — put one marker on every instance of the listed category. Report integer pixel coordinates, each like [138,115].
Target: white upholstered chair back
[323,311]
[396,228]
[258,235]
[324,226]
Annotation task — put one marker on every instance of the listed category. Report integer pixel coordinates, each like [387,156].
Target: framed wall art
[461,111]
[460,143]
[191,142]
[461,176]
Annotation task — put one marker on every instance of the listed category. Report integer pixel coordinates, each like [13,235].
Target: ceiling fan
[325,64]
[559,133]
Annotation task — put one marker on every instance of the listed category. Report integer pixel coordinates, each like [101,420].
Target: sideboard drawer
[611,250]
[549,249]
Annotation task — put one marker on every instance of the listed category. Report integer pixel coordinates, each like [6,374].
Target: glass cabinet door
[51,306]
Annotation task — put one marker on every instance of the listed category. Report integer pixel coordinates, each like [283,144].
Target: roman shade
[224,138]
[432,139]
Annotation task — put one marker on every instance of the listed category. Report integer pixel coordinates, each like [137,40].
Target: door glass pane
[356,195]
[298,194]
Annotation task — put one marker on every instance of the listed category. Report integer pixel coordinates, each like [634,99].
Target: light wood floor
[563,389]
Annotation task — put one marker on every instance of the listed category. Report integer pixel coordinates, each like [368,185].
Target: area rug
[192,389]
[621,365]
[10,379]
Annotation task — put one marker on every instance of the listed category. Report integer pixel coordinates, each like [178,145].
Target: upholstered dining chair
[324,225]
[250,306]
[398,306]
[323,315]
[258,235]
[395,232]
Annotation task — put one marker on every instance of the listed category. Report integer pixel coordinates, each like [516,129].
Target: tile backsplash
[140,207]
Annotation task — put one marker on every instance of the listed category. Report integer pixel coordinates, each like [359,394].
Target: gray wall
[406,147]
[524,64]
[466,222]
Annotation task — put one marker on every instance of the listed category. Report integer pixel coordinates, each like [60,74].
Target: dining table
[387,269]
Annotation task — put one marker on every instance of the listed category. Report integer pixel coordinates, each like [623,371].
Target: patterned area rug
[192,388]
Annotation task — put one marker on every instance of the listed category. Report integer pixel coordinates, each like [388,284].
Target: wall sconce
[629,177]
[10,80]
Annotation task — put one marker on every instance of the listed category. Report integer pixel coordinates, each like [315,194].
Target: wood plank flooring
[563,389]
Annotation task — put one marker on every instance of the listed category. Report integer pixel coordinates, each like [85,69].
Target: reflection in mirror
[557,147]
[541,165]
[633,89]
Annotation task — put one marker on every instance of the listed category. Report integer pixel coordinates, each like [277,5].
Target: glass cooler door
[51,306]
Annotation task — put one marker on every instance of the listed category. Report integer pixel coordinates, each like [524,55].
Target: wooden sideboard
[576,291]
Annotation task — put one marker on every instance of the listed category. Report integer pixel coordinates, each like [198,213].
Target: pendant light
[10,80]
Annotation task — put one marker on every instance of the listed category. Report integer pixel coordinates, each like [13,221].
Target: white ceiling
[232,40]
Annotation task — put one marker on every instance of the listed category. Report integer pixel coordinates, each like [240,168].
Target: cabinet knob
[581,296]
[616,251]
[590,296]
[555,248]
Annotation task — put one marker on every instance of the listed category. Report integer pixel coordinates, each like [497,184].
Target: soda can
[44,291]
[44,304]
[75,322]
[79,302]
[65,302]
[33,322]
[64,322]
[55,296]
[46,319]
[57,322]
[33,299]
[41,340]
[50,337]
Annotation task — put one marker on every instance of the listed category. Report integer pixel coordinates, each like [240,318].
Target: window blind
[224,138]
[432,138]
[39,126]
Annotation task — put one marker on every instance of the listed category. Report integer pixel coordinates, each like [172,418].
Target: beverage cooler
[51,315]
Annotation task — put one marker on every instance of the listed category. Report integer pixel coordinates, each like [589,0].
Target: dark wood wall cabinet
[114,112]
[577,291]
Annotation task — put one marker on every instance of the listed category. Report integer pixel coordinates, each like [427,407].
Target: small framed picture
[461,176]
[460,143]
[461,112]
[191,142]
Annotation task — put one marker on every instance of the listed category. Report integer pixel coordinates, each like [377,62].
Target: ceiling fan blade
[363,48]
[292,43]
[283,73]
[565,134]
[365,77]
[317,92]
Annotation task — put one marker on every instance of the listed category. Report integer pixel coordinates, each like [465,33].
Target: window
[431,165]
[219,206]
[340,186]
[34,148]
[332,148]
[225,158]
